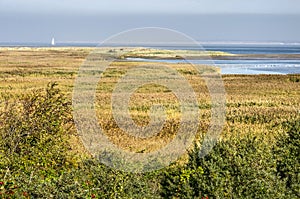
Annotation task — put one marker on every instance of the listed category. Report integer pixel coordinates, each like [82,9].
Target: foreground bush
[93,179]
[33,132]
[35,155]
[237,168]
[288,157]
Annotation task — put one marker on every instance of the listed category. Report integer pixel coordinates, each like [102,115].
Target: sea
[246,65]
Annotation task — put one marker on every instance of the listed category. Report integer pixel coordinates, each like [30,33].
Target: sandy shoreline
[161,54]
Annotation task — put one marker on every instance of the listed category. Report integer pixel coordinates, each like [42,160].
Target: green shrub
[94,178]
[35,156]
[33,128]
[33,132]
[237,168]
[288,157]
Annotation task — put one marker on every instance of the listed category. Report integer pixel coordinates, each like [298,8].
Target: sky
[96,20]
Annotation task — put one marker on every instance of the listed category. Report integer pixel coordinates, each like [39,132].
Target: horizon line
[156,43]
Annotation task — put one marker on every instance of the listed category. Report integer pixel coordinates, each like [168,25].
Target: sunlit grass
[258,103]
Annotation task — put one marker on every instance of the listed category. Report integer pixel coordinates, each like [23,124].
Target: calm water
[257,66]
[263,66]
[250,66]
[247,48]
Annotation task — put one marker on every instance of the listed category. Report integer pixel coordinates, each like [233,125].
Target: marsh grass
[260,102]
[256,105]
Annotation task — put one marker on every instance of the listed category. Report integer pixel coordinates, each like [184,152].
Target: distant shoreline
[222,55]
[228,62]
[95,44]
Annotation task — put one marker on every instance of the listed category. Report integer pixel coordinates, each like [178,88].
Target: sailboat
[53,42]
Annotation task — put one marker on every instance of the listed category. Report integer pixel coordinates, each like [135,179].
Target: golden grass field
[254,103]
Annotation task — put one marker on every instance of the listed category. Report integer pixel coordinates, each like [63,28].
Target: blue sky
[95,20]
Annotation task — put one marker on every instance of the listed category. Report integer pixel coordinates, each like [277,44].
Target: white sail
[53,42]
